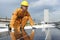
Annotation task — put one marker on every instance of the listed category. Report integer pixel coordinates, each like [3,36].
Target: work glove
[33,28]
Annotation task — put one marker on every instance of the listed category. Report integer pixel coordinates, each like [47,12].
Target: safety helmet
[24,3]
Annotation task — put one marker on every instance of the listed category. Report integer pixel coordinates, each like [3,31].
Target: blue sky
[36,8]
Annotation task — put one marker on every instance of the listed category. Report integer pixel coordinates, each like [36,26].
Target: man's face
[25,8]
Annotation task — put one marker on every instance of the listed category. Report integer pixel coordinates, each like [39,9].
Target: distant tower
[46,15]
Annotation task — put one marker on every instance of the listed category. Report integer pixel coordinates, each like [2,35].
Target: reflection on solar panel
[53,34]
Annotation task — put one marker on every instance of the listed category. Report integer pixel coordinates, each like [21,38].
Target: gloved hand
[33,28]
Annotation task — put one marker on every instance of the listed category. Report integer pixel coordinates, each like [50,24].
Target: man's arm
[31,21]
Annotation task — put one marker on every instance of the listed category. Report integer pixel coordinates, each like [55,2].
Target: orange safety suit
[18,17]
[19,20]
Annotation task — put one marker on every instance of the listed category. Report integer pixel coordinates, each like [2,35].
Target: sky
[36,8]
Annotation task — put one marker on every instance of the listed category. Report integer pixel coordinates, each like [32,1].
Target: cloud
[44,2]
[55,15]
[9,1]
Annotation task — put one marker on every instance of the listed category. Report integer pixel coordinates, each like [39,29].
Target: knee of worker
[24,20]
[26,17]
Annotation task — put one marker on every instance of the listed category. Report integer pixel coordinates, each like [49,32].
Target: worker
[19,19]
